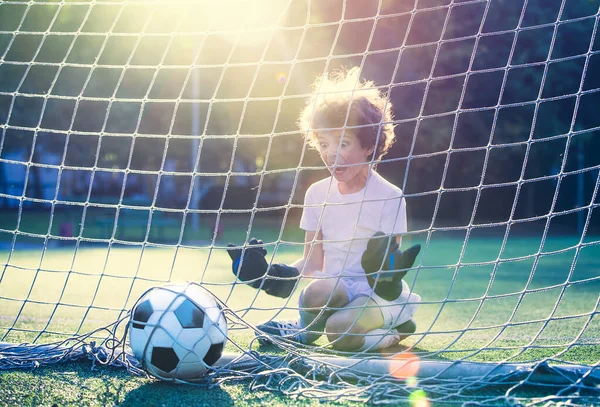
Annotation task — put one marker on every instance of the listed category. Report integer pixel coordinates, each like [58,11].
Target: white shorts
[395,312]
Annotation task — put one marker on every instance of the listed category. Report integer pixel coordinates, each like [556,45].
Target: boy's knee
[319,294]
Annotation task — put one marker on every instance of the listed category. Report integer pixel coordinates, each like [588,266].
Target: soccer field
[481,311]
[139,137]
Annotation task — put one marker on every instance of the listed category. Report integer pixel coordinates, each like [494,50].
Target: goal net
[139,138]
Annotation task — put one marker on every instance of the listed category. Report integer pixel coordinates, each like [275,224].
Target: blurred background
[170,121]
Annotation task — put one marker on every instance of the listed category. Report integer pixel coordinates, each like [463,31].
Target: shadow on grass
[76,383]
[156,393]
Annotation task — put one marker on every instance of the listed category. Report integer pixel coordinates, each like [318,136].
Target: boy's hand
[279,279]
[385,265]
[254,266]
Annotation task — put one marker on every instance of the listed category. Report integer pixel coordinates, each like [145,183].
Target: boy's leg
[316,303]
[400,310]
[347,327]
[312,319]
[370,322]
[397,320]
[363,334]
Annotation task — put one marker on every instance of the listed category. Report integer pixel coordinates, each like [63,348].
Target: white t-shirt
[348,221]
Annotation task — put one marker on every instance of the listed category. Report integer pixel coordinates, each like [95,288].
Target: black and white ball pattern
[177,331]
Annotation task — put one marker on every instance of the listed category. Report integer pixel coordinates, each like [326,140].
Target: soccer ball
[177,331]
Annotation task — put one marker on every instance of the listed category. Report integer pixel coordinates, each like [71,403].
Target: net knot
[97,354]
[90,348]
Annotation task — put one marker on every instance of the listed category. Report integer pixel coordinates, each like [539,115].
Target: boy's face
[343,154]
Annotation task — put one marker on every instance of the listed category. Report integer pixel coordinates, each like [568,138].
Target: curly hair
[341,100]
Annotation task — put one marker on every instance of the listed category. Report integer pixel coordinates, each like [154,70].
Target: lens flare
[404,365]
[281,78]
[418,398]
[411,381]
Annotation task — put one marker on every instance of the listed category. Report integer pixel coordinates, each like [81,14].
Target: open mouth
[335,170]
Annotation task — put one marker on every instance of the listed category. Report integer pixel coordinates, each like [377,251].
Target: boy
[350,219]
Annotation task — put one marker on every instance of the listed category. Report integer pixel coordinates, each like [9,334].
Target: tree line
[495,107]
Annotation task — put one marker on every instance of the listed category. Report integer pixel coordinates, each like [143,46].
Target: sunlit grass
[500,306]
[496,311]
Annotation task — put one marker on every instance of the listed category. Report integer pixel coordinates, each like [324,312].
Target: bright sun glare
[244,21]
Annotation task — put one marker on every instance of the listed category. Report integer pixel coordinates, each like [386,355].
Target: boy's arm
[399,240]
[313,258]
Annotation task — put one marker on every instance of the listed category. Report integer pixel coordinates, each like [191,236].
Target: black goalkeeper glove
[386,265]
[279,279]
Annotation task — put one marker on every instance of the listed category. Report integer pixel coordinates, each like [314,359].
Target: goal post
[138,138]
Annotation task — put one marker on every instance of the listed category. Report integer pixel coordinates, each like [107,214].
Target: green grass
[483,309]
[74,384]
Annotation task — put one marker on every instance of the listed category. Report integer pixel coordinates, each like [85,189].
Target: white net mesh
[138,138]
